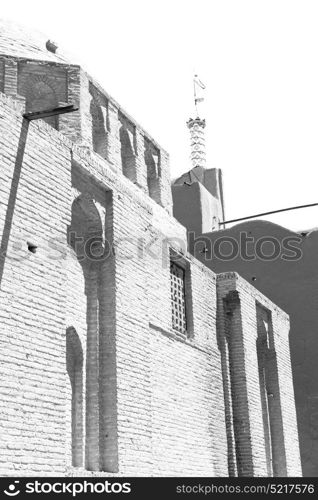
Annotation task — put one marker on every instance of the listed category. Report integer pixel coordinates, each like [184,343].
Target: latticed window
[177,278]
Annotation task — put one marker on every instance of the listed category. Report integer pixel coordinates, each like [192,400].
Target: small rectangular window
[178,299]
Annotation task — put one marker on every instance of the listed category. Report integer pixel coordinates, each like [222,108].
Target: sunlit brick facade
[120,352]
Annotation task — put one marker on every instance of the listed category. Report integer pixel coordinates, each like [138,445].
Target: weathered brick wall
[246,415]
[146,355]
[91,359]
[93,375]
[35,179]
[121,315]
[187,399]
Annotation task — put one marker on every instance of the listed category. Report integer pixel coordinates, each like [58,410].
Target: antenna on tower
[197,93]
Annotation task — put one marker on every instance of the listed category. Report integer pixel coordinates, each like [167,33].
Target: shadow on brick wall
[13,195]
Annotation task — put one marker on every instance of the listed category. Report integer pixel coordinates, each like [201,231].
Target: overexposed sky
[258,59]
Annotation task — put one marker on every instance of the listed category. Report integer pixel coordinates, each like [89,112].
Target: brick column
[239,389]
[223,345]
[108,438]
[1,75]
[270,396]
[10,81]
[240,328]
[283,383]
[166,193]
[92,370]
[70,124]
[127,134]
[141,166]
[11,77]
[153,161]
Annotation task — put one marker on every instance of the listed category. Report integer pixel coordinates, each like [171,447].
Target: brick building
[292,284]
[120,352]
[280,263]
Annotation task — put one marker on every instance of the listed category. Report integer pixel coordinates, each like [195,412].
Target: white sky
[258,59]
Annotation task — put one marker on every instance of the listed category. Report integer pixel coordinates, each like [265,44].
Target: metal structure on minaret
[196,127]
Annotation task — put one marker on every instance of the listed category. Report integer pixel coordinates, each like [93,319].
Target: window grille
[177,278]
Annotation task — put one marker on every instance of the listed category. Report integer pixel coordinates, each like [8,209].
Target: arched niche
[153,164]
[86,233]
[85,237]
[99,131]
[128,157]
[74,366]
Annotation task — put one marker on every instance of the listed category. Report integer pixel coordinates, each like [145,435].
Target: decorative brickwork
[257,409]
